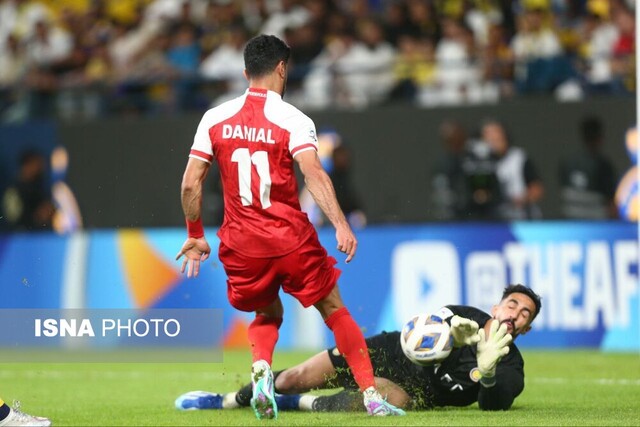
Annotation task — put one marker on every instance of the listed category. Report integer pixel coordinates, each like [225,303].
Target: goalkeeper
[484,366]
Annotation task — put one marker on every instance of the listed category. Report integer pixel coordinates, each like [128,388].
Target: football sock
[306,402]
[351,345]
[263,336]
[288,402]
[4,410]
[345,401]
[244,395]
[229,401]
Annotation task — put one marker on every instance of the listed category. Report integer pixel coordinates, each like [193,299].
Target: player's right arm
[319,185]
[509,384]
[500,383]
[195,249]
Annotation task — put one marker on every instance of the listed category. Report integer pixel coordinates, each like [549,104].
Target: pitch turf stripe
[111,375]
[597,381]
[212,376]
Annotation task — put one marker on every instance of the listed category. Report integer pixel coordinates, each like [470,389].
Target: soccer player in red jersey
[266,241]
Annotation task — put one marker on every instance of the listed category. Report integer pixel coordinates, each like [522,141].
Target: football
[426,339]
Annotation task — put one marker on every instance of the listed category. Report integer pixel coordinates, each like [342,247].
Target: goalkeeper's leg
[351,344]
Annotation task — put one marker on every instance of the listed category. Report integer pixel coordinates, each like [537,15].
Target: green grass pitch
[562,388]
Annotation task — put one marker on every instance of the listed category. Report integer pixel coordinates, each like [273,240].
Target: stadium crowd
[90,58]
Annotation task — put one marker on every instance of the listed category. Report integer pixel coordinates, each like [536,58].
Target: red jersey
[254,139]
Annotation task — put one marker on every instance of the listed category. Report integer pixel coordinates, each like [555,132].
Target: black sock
[4,411]
[244,395]
[345,401]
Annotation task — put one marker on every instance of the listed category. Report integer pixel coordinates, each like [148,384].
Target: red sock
[351,345]
[263,336]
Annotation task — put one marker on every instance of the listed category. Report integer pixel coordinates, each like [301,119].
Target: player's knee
[290,380]
[275,309]
[329,305]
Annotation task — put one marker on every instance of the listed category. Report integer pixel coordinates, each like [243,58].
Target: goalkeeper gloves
[490,350]
[464,331]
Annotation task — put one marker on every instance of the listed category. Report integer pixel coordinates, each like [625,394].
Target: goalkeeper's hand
[491,349]
[464,331]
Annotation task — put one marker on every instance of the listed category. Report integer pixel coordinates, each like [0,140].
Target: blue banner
[586,273]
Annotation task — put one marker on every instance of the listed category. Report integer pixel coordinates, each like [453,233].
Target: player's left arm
[319,185]
[195,249]
[509,383]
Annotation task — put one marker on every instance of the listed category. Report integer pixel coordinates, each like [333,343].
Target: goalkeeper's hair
[522,289]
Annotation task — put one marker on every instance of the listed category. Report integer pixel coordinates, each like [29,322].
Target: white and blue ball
[426,339]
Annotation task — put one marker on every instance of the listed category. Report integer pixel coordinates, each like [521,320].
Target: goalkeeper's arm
[500,383]
[509,384]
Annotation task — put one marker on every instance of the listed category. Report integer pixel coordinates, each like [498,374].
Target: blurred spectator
[306,44]
[341,55]
[97,80]
[290,15]
[482,16]
[359,10]
[423,20]
[13,63]
[365,70]
[318,88]
[66,218]
[346,194]
[598,39]
[624,49]
[414,69]
[520,185]
[47,50]
[481,195]
[396,22]
[448,180]
[129,42]
[587,177]
[457,75]
[254,13]
[183,55]
[320,12]
[497,68]
[19,17]
[539,66]
[144,81]
[225,65]
[222,17]
[48,45]
[27,204]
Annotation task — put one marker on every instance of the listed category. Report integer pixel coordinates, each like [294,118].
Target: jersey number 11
[259,159]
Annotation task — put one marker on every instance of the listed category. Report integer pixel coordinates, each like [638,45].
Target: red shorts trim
[308,274]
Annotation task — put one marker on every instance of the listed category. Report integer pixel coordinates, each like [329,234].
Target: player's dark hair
[263,53]
[521,289]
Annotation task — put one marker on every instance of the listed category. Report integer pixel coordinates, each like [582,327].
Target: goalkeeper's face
[516,310]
